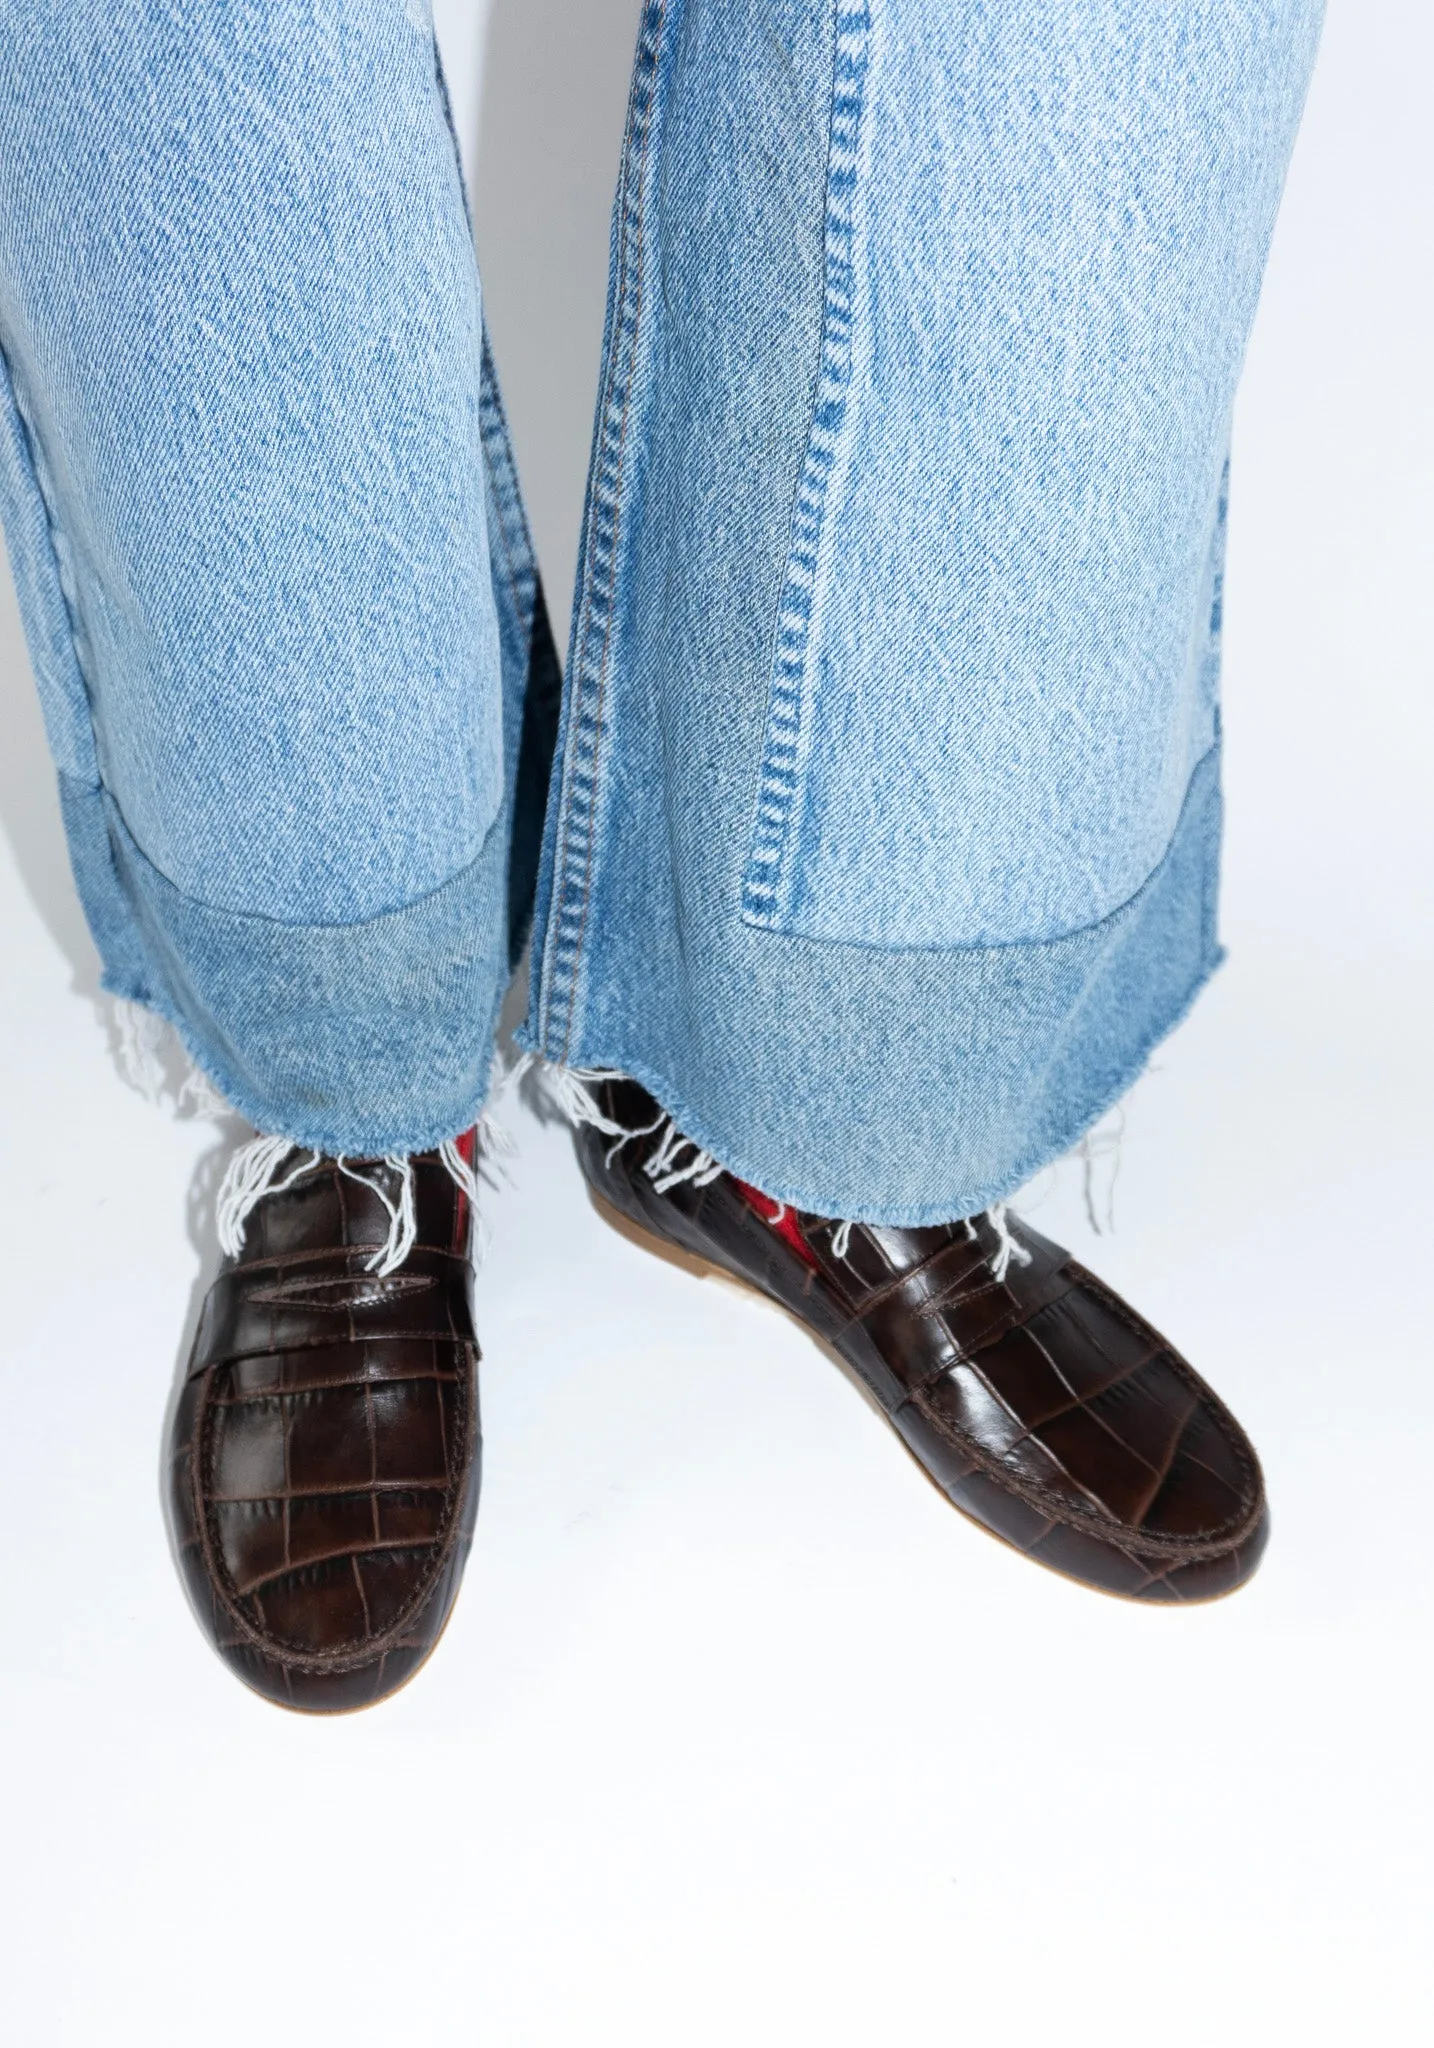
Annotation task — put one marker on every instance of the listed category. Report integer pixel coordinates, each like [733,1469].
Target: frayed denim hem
[369,1040]
[993,1197]
[900,1088]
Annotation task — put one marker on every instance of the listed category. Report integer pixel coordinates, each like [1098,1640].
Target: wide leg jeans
[875,827]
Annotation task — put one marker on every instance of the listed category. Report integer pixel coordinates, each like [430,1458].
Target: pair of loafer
[326,1447]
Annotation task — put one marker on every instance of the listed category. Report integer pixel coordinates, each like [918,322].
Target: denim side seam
[55,639]
[53,628]
[515,542]
[768,879]
[590,659]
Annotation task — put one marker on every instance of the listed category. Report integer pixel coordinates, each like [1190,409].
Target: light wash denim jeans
[882,834]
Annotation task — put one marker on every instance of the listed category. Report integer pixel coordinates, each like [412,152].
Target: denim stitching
[515,541]
[67,581]
[580,768]
[573,868]
[768,877]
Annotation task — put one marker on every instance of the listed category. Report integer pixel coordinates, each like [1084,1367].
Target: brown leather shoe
[324,1480]
[1039,1403]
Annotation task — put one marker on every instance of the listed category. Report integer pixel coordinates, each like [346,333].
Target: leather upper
[326,1444]
[1038,1400]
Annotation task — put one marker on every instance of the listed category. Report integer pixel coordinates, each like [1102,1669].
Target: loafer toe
[326,1456]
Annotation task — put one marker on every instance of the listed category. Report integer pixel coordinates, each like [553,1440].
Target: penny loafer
[325,1446]
[1040,1404]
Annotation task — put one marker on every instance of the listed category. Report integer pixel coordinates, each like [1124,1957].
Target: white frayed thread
[459,1171]
[1009,1249]
[667,1169]
[841,1239]
[494,1148]
[641,1131]
[402,1215]
[252,1174]
[570,1091]
[480,1234]
[257,1171]
[139,1048]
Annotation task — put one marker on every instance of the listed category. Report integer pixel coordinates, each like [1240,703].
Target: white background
[740,1734]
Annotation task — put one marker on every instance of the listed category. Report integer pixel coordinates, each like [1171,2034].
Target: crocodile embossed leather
[325,1447]
[1041,1405]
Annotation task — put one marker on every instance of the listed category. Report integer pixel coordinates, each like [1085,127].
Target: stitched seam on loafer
[1060,1508]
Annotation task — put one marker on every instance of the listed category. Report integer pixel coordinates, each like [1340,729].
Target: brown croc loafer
[325,1446]
[1039,1403]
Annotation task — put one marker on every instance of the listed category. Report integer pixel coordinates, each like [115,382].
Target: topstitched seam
[30,442]
[564,975]
[767,877]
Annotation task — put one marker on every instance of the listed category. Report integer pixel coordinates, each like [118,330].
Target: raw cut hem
[366,1040]
[900,1088]
[412,1139]
[817,1201]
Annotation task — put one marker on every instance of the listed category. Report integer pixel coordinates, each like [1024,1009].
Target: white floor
[739,1734]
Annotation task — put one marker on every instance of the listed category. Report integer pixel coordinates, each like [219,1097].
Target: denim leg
[884,835]
[270,551]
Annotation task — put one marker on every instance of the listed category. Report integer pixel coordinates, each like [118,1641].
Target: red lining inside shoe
[466,1146]
[781,1218]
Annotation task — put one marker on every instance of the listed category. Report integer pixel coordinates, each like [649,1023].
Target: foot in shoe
[325,1449]
[1039,1403]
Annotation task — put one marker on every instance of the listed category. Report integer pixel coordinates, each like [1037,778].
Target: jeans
[875,828]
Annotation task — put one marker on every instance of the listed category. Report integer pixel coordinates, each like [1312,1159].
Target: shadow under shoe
[1042,1405]
[325,1448]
